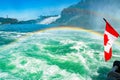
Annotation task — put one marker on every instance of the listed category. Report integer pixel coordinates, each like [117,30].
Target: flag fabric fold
[110,35]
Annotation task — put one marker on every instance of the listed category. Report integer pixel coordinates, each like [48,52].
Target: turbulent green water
[53,55]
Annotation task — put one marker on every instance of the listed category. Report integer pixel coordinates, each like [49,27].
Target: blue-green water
[24,27]
[53,55]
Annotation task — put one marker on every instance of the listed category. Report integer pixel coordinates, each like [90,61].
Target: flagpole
[106,22]
[104,19]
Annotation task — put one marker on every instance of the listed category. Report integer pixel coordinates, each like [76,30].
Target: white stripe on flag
[111,38]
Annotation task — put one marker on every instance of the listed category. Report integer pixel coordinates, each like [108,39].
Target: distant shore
[15,21]
[40,20]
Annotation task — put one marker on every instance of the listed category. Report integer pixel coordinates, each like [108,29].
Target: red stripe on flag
[111,30]
[107,56]
[105,39]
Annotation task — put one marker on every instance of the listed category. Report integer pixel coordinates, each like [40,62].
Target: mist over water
[89,14]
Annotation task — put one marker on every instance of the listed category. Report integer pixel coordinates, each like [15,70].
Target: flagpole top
[104,19]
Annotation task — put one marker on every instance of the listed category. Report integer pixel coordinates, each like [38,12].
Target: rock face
[89,13]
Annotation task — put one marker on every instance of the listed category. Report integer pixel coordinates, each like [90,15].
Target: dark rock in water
[89,14]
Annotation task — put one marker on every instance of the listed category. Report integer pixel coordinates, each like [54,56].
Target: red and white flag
[110,35]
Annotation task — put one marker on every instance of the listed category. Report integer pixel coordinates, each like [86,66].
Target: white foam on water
[68,41]
[34,65]
[53,70]
[73,57]
[7,76]
[3,74]
[75,77]
[50,71]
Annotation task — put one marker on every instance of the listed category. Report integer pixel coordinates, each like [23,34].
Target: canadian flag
[110,35]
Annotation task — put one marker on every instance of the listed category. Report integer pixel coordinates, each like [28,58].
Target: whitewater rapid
[55,55]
